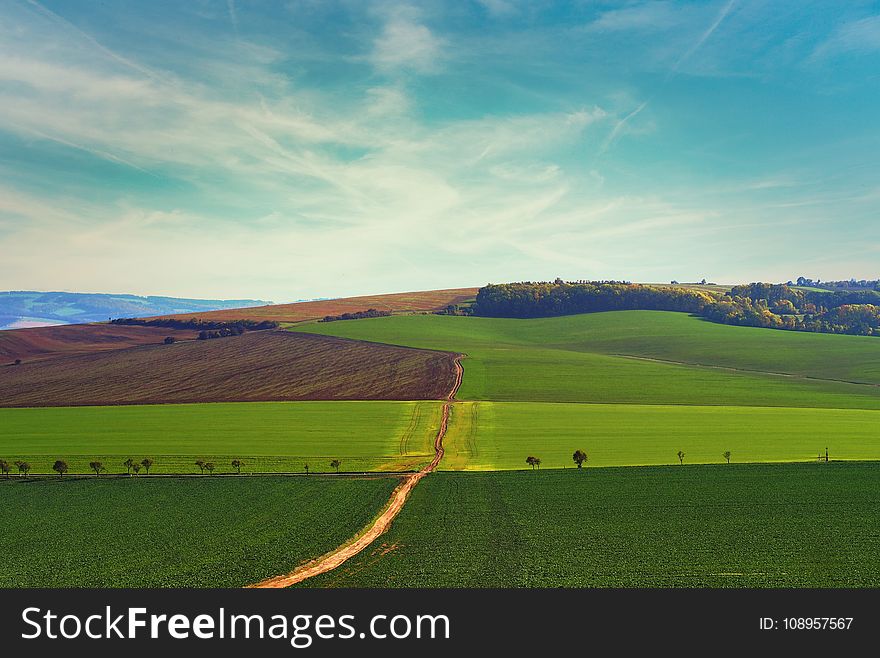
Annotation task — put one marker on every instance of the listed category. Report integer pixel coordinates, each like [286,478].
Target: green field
[640,357]
[785,525]
[176,532]
[500,435]
[268,436]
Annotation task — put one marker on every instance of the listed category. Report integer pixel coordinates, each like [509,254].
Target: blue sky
[286,150]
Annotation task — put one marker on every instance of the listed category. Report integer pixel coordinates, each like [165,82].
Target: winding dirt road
[398,498]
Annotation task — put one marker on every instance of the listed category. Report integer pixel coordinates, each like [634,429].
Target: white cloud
[406,44]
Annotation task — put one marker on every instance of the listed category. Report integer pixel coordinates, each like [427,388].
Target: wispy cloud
[233,15]
[851,38]
[725,11]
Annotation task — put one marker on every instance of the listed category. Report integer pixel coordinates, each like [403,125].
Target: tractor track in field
[399,496]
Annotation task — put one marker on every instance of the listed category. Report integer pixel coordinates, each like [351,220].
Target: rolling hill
[31,308]
[256,366]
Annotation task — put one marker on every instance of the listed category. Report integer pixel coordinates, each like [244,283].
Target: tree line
[357,315]
[547,299]
[239,326]
[775,306]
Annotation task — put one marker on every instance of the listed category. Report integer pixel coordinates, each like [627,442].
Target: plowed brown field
[430,300]
[44,342]
[257,366]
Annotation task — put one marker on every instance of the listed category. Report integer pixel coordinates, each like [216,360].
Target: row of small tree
[580,458]
[132,467]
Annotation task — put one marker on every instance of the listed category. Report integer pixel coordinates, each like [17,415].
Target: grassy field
[269,436]
[500,435]
[257,366]
[641,357]
[785,525]
[225,532]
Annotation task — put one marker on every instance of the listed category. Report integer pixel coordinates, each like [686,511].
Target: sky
[311,148]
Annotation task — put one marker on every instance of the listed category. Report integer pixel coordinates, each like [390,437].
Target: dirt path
[398,498]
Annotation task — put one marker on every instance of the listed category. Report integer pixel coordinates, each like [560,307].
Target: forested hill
[29,308]
[775,306]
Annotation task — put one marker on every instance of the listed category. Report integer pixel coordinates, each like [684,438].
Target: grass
[269,436]
[225,532]
[639,357]
[785,525]
[500,435]
[257,366]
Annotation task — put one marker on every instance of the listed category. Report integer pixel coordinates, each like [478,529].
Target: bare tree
[579,457]
[537,462]
[236,464]
[135,468]
[306,467]
[209,466]
[23,468]
[726,455]
[147,463]
[681,457]
[336,464]
[128,463]
[97,467]
[60,467]
[4,468]
[201,464]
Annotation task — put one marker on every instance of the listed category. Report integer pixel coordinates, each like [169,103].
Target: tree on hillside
[169,340]
[201,464]
[236,464]
[128,463]
[531,461]
[23,468]
[4,468]
[209,466]
[579,457]
[726,455]
[147,463]
[336,464]
[97,467]
[681,457]
[60,467]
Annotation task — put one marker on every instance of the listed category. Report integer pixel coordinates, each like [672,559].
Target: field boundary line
[383,521]
[694,364]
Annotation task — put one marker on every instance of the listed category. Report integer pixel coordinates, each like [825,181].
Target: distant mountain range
[19,309]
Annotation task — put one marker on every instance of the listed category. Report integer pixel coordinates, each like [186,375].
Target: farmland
[46,342]
[404,302]
[639,357]
[256,366]
[783,525]
[269,436]
[225,532]
[499,435]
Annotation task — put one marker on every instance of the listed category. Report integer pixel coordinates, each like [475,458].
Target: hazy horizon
[228,149]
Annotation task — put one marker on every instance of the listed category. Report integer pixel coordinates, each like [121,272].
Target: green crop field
[500,435]
[641,357]
[176,532]
[268,436]
[785,525]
